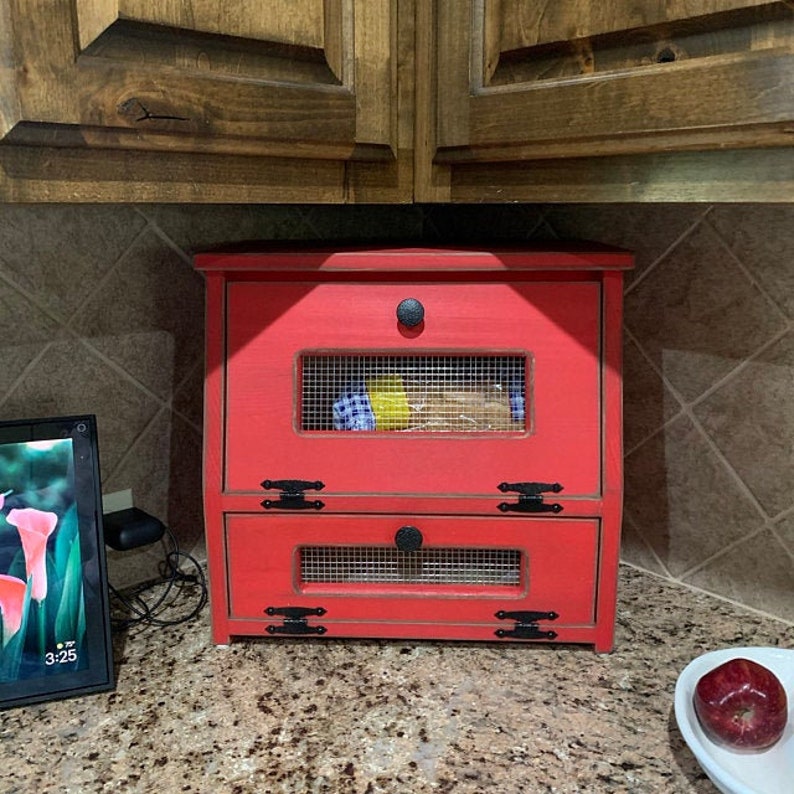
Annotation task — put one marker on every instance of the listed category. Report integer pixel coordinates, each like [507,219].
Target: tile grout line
[148,226]
[31,298]
[788,324]
[540,221]
[727,465]
[26,370]
[710,594]
[65,328]
[768,522]
[157,231]
[103,280]
[628,518]
[197,366]
[683,403]
[667,252]
[687,410]
[739,368]
[722,552]
[773,528]
[748,273]
[305,216]
[189,260]
[117,368]
[672,389]
[776,522]
[163,405]
[136,441]
[744,489]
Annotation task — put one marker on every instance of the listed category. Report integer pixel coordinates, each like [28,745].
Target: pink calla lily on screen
[12,600]
[34,526]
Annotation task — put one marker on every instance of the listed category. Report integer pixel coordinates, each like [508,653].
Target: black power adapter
[151,603]
[131,528]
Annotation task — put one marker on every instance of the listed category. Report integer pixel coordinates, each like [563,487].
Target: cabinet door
[525,80]
[296,79]
[499,383]
[465,571]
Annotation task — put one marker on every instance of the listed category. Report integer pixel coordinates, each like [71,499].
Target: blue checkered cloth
[353,410]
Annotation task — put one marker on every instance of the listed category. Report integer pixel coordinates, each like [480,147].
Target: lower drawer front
[359,568]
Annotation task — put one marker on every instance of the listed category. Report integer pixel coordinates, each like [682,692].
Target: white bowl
[767,772]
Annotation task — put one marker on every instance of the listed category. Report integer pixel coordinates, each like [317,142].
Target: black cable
[171,576]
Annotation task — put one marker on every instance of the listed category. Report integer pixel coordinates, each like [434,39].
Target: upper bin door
[298,79]
[472,385]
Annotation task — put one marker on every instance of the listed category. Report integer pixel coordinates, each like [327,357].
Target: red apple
[741,705]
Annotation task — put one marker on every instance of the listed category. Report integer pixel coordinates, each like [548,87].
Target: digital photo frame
[55,639]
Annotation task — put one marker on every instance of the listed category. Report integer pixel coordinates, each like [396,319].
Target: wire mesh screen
[430,393]
[383,564]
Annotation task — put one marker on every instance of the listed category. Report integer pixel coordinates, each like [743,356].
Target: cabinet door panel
[276,78]
[552,330]
[466,570]
[569,79]
[300,22]
[516,24]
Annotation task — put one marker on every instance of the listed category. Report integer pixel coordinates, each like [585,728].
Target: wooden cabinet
[396,100]
[577,100]
[138,99]
[416,443]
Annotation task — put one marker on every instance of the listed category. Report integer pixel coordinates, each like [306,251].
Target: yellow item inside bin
[389,402]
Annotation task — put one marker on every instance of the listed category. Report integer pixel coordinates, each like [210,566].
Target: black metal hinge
[295,620]
[526,625]
[292,496]
[530,499]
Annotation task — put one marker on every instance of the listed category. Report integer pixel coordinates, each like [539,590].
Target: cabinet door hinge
[526,625]
[295,620]
[292,496]
[530,499]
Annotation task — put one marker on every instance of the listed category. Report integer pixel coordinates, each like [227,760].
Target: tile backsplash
[103,313]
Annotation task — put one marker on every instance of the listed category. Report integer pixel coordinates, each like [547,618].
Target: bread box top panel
[323,263]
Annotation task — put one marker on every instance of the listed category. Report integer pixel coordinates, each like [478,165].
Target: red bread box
[414,443]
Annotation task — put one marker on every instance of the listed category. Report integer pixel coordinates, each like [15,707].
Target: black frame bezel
[99,676]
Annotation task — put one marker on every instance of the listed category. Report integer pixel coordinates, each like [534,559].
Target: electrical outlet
[118,500]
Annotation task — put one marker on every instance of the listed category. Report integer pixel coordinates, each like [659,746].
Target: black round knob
[410,312]
[408,539]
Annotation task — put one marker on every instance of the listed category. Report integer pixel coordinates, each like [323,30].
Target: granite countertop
[338,716]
